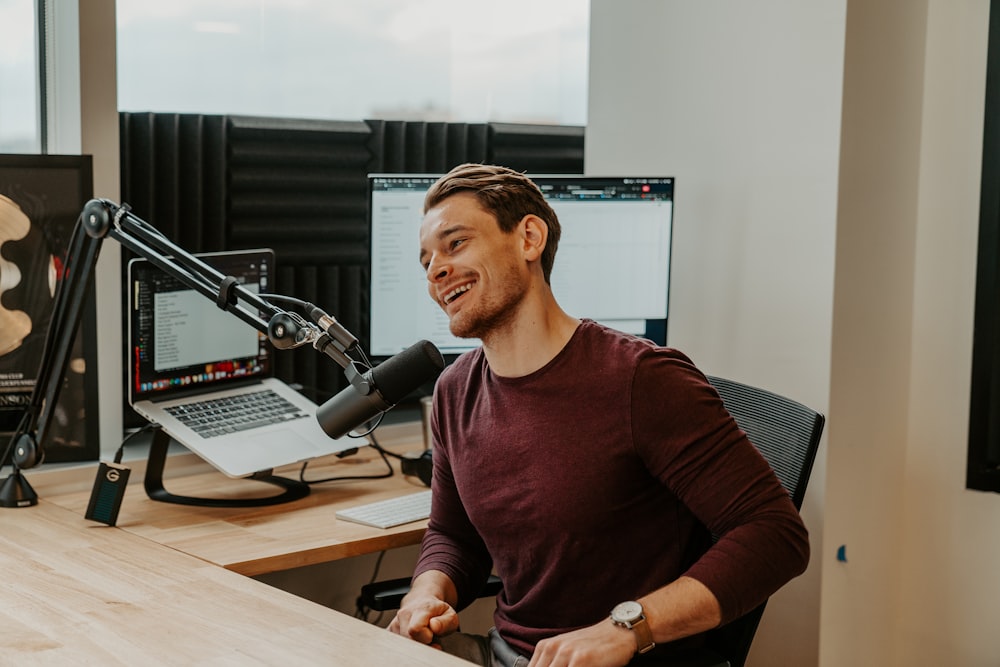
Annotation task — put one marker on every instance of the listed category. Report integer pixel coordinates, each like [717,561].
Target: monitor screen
[612,264]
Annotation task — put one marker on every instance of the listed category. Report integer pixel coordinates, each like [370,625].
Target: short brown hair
[507,194]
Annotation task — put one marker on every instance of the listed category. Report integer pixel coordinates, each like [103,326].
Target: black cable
[370,431]
[344,478]
[386,452]
[377,447]
[287,299]
[362,610]
[121,447]
[378,565]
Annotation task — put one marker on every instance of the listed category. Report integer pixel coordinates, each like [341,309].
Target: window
[520,61]
[19,115]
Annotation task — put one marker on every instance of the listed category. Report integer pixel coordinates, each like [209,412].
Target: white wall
[726,97]
[741,103]
[950,587]
[920,585]
[95,99]
[873,315]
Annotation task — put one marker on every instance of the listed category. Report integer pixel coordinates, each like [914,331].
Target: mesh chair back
[787,434]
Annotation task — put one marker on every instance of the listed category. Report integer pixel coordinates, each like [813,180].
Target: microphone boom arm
[142,239]
[100,219]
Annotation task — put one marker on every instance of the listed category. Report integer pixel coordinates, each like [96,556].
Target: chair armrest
[388,594]
[384,595]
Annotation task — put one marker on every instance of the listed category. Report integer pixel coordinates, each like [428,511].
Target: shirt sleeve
[688,440]
[451,544]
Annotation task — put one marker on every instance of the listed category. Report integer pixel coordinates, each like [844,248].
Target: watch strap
[631,615]
[643,635]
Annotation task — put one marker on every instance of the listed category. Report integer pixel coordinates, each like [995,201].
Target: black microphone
[380,389]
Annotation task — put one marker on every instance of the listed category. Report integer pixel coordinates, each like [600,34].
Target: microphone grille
[399,375]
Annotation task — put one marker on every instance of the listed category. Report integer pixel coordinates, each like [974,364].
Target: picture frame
[41,197]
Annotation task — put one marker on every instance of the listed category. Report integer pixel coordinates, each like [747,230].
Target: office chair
[786,433]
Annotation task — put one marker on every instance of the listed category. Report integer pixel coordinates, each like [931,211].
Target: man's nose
[437,270]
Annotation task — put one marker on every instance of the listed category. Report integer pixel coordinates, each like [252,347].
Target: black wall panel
[173,175]
[537,149]
[400,147]
[173,170]
[300,187]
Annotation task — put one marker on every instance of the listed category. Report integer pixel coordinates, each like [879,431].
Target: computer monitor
[612,264]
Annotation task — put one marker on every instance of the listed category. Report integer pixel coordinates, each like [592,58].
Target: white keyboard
[392,512]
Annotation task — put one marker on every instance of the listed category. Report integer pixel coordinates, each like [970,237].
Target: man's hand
[425,612]
[682,608]
[424,620]
[600,645]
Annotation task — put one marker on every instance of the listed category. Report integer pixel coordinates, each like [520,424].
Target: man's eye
[456,243]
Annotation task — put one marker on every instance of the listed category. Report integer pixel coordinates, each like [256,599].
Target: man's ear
[535,234]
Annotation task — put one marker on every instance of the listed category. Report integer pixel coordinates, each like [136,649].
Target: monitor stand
[153,482]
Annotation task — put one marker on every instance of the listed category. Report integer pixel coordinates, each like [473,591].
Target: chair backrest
[787,433]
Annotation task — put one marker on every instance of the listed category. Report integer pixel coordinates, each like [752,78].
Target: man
[589,468]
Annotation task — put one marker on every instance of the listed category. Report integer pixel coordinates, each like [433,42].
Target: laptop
[199,372]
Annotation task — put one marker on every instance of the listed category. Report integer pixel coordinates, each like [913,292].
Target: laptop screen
[180,342]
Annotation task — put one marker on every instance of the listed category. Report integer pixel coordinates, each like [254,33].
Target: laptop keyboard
[392,512]
[235,413]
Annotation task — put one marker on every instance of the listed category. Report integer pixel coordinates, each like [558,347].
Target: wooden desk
[259,540]
[152,591]
[80,593]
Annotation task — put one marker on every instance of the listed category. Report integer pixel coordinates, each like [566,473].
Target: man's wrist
[436,584]
[631,616]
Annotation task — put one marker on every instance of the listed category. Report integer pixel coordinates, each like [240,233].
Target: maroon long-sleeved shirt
[596,479]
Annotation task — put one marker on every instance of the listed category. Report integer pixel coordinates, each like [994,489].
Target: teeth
[450,296]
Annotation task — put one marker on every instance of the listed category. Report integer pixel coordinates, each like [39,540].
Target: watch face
[627,612]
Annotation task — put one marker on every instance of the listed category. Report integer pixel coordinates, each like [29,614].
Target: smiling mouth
[455,293]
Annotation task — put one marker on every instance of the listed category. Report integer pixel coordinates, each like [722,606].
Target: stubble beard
[492,315]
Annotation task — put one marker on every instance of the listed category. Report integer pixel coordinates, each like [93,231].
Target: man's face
[475,272]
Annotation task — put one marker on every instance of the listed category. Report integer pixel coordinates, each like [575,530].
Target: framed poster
[41,197]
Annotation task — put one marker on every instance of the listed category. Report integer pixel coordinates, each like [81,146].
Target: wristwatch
[629,615]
